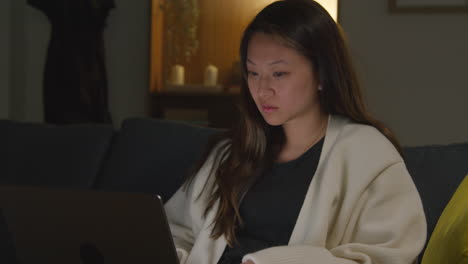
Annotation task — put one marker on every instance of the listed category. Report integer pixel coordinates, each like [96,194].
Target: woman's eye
[252,74]
[279,74]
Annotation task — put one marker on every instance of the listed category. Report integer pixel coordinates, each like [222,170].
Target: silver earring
[320,88]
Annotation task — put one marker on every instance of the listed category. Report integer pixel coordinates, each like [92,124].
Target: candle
[177,75]
[211,75]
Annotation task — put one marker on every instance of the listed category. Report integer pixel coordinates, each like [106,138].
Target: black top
[271,207]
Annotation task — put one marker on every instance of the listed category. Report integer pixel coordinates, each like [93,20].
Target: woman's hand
[248,262]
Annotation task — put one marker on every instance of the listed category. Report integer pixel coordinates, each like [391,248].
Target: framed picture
[428,6]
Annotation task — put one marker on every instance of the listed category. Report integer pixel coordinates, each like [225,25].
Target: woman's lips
[269,108]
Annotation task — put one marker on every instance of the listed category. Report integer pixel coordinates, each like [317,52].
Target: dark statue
[75,82]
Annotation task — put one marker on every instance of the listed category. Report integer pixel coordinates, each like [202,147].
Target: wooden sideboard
[213,109]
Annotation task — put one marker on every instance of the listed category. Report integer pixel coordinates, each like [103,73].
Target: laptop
[86,227]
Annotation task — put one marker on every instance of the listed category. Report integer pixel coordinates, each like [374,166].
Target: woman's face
[281,81]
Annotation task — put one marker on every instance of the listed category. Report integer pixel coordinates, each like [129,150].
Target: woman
[307,175]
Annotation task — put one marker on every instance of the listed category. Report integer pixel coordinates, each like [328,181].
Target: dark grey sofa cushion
[7,245]
[54,156]
[153,156]
[437,171]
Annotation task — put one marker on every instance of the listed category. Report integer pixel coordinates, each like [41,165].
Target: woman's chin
[273,121]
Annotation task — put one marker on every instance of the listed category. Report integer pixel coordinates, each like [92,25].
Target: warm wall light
[331,6]
[235,17]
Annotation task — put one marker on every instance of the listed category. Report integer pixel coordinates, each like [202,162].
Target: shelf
[206,108]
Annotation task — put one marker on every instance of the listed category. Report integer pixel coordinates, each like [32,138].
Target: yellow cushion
[449,241]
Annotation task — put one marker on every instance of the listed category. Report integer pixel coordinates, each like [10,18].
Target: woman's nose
[264,88]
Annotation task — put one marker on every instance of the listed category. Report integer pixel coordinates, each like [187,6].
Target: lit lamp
[331,6]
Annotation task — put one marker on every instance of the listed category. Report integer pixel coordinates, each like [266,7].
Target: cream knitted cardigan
[361,207]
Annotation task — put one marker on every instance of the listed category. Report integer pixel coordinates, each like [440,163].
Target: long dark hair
[251,145]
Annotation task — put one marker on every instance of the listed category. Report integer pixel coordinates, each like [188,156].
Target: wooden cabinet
[207,109]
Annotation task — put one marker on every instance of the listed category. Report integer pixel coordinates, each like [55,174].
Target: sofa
[153,156]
